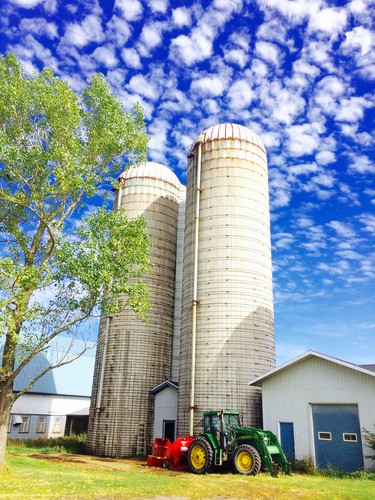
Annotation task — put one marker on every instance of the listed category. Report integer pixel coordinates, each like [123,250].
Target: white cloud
[325,157]
[32,49]
[158,6]
[131,9]
[357,6]
[320,54]
[181,17]
[342,229]
[302,66]
[151,37]
[191,49]
[368,220]
[118,31]
[79,35]
[361,164]
[158,131]
[294,10]
[40,26]
[236,56]
[351,109]
[116,78]
[287,106]
[27,4]
[269,52]
[105,55]
[327,95]
[331,20]
[198,46]
[325,180]
[208,86]
[240,95]
[302,140]
[131,58]
[302,169]
[140,85]
[280,189]
[240,39]
[360,38]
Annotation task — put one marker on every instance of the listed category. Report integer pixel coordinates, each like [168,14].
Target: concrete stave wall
[235,338]
[138,354]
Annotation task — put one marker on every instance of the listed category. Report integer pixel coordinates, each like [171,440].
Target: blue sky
[298,73]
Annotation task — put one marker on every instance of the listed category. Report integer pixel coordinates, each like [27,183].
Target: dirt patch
[90,461]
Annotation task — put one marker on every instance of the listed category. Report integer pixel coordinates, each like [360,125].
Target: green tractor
[224,439]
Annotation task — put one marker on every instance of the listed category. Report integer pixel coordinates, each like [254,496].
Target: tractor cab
[221,425]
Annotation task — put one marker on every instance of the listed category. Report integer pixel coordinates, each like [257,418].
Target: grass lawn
[29,474]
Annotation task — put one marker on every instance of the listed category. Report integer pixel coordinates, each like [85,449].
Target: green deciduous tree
[56,150]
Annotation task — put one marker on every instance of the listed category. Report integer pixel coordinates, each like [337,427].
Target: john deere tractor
[224,439]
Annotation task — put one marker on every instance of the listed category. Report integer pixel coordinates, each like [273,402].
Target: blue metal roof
[73,379]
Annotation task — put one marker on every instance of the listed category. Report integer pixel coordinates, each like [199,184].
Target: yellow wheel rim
[244,461]
[198,457]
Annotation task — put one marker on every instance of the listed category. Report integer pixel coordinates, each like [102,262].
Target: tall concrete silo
[134,357]
[227,332]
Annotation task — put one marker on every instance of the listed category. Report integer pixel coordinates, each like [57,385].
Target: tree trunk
[6,403]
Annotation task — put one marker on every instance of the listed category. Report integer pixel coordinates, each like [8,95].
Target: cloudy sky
[300,74]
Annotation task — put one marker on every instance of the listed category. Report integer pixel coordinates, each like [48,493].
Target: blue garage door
[287,439]
[337,437]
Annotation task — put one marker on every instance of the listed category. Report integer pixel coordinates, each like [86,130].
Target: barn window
[24,427]
[57,423]
[349,436]
[325,436]
[41,425]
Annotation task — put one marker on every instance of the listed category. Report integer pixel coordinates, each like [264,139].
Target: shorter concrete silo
[134,357]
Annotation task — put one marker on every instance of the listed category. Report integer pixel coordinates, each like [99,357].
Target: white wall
[55,408]
[165,409]
[287,397]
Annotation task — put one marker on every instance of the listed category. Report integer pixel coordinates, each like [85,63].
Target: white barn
[58,403]
[318,406]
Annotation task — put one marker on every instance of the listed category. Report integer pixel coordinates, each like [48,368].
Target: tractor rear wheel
[247,460]
[200,456]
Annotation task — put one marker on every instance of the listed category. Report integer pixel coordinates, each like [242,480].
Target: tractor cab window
[212,424]
[231,421]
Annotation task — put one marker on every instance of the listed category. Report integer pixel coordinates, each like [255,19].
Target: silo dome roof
[229,131]
[152,170]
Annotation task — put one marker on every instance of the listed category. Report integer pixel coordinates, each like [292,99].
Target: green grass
[68,476]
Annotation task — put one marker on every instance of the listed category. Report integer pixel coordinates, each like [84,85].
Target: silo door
[337,437]
[169,429]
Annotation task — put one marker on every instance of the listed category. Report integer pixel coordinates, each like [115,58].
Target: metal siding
[287,397]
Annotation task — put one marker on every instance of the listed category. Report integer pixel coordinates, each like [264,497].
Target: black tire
[247,460]
[200,456]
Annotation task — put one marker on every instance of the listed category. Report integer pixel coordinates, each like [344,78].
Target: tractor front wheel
[247,460]
[200,456]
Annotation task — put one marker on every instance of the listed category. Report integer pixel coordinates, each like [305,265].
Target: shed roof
[302,358]
[164,385]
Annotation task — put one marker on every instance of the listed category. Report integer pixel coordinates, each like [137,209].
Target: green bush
[369,439]
[304,466]
[63,444]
